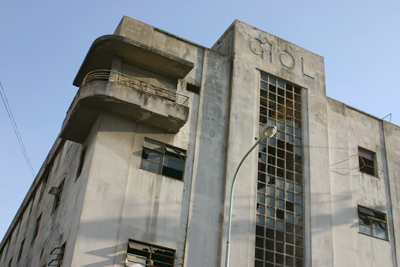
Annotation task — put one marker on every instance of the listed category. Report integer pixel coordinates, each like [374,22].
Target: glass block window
[163,159]
[280,200]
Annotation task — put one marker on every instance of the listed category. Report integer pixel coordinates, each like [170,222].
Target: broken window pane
[142,254]
[285,168]
[372,222]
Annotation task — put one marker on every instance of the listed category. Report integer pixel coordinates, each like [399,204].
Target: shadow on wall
[107,253]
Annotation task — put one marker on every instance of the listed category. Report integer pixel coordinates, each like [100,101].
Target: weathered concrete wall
[58,226]
[392,141]
[348,130]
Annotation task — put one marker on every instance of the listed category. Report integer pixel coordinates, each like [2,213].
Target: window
[163,159]
[36,230]
[21,248]
[141,254]
[57,194]
[193,88]
[367,161]
[80,165]
[372,222]
[280,230]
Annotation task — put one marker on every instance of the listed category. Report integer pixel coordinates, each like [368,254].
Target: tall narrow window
[80,165]
[163,159]
[141,254]
[280,201]
[367,161]
[36,230]
[21,248]
[57,194]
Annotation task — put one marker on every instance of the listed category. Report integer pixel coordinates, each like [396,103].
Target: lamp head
[268,131]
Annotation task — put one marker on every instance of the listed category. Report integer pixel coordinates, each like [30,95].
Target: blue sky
[43,44]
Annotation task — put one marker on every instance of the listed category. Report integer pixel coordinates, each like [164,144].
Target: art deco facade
[141,172]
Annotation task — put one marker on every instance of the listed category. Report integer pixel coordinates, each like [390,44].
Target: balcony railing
[114,76]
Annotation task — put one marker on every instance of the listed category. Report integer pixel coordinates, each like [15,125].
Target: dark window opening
[372,222]
[36,230]
[80,165]
[57,198]
[193,88]
[367,161]
[143,254]
[21,248]
[163,159]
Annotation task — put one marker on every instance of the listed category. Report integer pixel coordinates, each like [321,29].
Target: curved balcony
[118,77]
[120,94]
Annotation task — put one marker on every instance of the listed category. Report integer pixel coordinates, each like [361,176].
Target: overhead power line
[16,131]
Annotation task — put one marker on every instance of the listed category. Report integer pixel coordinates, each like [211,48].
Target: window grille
[280,201]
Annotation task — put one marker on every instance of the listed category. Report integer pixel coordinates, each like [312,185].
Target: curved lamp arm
[267,132]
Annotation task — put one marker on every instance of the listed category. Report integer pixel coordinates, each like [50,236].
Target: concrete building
[141,172]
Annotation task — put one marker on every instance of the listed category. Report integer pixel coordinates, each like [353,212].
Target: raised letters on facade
[262,47]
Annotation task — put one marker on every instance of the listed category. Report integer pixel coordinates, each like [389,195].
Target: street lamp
[267,132]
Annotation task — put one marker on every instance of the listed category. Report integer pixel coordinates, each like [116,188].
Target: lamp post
[267,132]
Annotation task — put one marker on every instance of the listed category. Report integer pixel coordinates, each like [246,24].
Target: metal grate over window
[142,254]
[280,202]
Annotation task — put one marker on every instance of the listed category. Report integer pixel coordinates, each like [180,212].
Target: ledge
[97,96]
[103,50]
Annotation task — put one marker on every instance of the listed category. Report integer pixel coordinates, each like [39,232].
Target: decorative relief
[263,48]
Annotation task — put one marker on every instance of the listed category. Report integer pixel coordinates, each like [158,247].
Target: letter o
[288,60]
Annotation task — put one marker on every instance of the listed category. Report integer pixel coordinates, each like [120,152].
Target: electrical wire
[16,131]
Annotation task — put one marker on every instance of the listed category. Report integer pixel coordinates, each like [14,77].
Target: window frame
[163,159]
[366,157]
[374,218]
[149,253]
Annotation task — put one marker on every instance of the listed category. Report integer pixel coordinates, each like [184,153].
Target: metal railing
[114,76]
